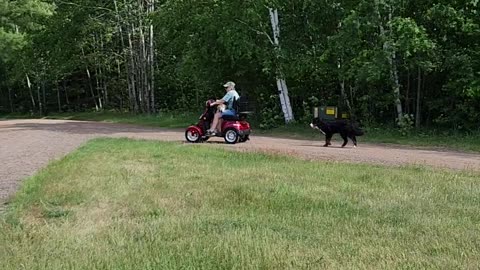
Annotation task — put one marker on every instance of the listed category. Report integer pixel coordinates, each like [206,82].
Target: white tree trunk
[90,81]
[281,84]
[29,84]
[152,62]
[391,55]
[10,99]
[132,74]
[130,88]
[144,75]
[58,99]
[40,104]
[418,115]
[394,72]
[342,88]
[66,92]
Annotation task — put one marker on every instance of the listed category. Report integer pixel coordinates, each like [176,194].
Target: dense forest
[405,62]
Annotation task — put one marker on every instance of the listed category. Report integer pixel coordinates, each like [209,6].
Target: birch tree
[281,84]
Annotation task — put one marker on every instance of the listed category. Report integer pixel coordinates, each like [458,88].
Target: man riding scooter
[229,116]
[227,100]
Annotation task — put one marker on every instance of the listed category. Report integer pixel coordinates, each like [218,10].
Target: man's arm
[218,102]
[223,100]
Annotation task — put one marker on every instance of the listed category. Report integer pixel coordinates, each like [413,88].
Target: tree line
[401,62]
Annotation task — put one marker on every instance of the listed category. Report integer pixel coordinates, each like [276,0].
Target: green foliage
[270,112]
[432,45]
[17,18]
[406,124]
[308,108]
[413,43]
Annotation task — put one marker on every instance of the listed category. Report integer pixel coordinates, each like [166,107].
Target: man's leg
[216,119]
[225,113]
[220,122]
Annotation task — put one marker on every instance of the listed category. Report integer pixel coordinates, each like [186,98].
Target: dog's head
[222,107]
[317,124]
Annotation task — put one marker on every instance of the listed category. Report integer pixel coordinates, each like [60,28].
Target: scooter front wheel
[192,136]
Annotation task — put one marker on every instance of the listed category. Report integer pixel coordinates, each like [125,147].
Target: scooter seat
[231,118]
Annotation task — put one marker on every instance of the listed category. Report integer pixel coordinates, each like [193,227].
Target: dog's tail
[358,131]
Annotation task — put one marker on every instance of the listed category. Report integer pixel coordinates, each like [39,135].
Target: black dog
[347,129]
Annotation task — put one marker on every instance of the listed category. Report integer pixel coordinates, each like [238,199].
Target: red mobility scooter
[234,129]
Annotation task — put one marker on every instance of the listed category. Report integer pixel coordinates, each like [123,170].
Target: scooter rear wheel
[231,136]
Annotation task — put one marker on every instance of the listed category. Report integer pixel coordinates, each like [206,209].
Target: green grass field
[121,204]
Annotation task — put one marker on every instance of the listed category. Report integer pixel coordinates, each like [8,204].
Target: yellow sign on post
[327,113]
[332,111]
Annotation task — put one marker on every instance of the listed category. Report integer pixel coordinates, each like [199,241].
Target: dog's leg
[345,139]
[354,139]
[328,138]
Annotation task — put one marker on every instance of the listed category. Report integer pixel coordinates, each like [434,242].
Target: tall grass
[121,204]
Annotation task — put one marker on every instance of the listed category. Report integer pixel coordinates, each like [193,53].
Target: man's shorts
[229,113]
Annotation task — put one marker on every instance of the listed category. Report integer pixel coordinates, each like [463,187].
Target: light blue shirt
[230,97]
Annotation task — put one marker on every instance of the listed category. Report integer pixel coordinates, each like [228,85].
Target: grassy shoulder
[167,120]
[121,204]
[429,139]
